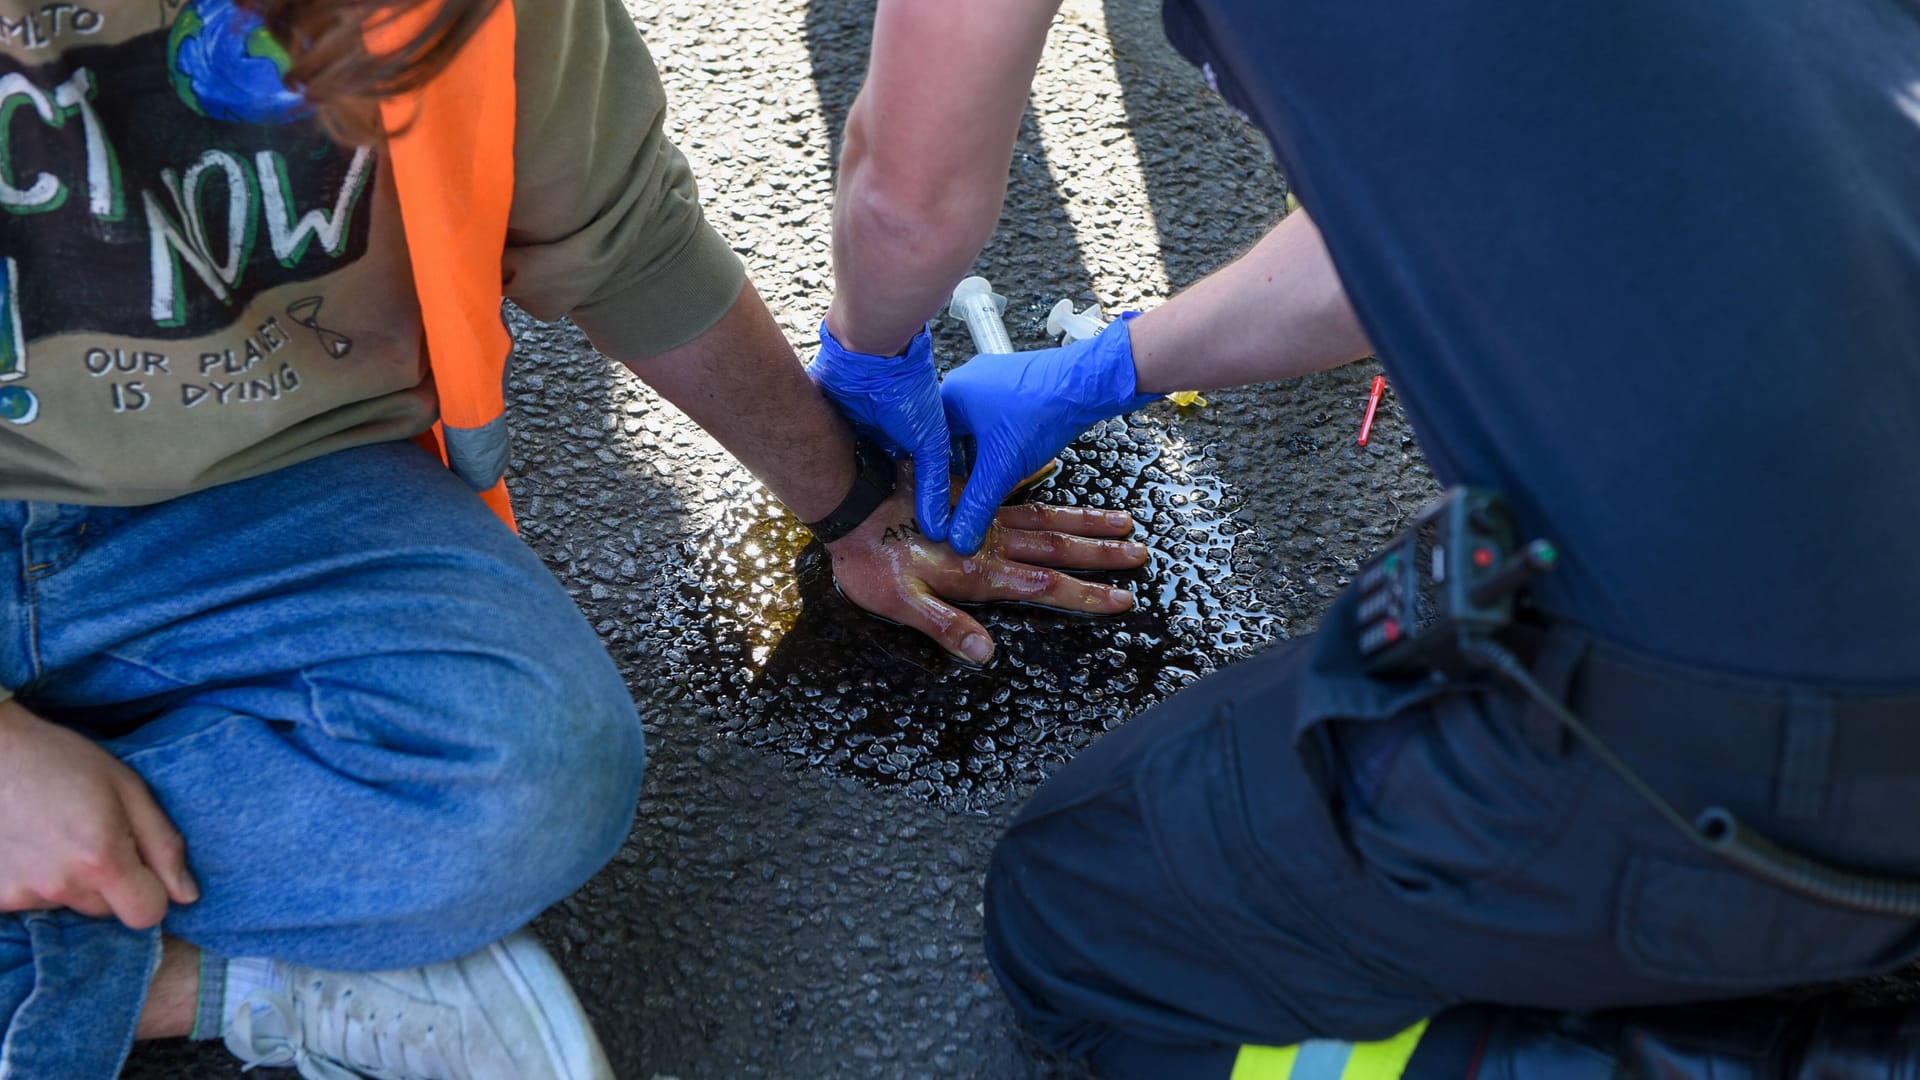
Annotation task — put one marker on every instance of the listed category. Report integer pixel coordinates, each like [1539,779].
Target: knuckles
[1053,545]
[1022,581]
[170,850]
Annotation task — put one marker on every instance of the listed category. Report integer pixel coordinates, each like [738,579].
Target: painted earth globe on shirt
[226,66]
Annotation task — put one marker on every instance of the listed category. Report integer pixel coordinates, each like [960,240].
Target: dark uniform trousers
[1291,850]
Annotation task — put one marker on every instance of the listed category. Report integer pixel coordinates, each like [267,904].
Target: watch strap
[872,485]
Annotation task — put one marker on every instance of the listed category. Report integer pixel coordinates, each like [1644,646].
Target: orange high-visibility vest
[452,163]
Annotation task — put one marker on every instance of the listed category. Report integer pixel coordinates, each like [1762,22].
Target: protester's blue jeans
[385,732]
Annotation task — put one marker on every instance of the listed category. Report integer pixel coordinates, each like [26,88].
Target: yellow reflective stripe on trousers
[1330,1059]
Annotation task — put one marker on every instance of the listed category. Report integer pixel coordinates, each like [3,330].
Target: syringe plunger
[1076,325]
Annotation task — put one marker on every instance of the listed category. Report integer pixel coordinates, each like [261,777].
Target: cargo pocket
[1433,785]
[1346,723]
[1459,798]
[1710,925]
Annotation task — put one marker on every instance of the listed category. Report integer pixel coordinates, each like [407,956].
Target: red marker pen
[1373,402]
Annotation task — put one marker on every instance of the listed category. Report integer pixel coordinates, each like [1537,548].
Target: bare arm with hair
[1273,313]
[923,170]
[923,174]
[741,382]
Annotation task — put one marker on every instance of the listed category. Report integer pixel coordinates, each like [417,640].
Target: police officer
[1650,270]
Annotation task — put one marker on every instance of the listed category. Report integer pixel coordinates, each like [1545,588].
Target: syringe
[976,304]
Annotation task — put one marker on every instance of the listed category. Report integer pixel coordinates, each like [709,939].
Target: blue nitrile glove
[1023,407]
[895,401]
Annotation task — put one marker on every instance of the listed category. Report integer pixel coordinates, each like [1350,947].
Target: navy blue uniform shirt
[1652,268]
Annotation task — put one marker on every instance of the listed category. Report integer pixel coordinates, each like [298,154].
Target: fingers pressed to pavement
[1005,580]
[1069,551]
[955,630]
[1078,520]
[1087,597]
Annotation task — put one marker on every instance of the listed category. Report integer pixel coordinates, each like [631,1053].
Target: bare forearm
[1276,312]
[896,261]
[923,169]
[742,382]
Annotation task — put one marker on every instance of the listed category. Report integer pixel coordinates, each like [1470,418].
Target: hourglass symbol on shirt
[307,313]
[17,403]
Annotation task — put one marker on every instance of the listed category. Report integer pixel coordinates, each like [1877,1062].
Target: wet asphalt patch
[762,638]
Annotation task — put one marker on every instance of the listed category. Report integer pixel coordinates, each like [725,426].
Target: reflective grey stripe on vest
[1321,1059]
[478,455]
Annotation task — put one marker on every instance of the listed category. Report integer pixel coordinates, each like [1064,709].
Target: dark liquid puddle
[765,639]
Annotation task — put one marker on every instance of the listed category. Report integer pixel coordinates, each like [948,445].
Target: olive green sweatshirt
[198,286]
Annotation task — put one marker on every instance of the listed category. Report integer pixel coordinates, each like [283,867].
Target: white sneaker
[502,1013]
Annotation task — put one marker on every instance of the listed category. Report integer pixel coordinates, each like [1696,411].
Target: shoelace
[337,1049]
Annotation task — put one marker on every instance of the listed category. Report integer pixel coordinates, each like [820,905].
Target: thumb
[953,404]
[931,498]
[978,503]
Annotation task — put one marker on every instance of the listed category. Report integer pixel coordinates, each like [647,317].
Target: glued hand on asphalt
[888,567]
[80,830]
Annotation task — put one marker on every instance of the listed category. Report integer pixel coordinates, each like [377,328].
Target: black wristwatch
[872,484]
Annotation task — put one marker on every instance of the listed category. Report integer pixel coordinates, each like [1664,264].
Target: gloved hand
[895,401]
[1022,408]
